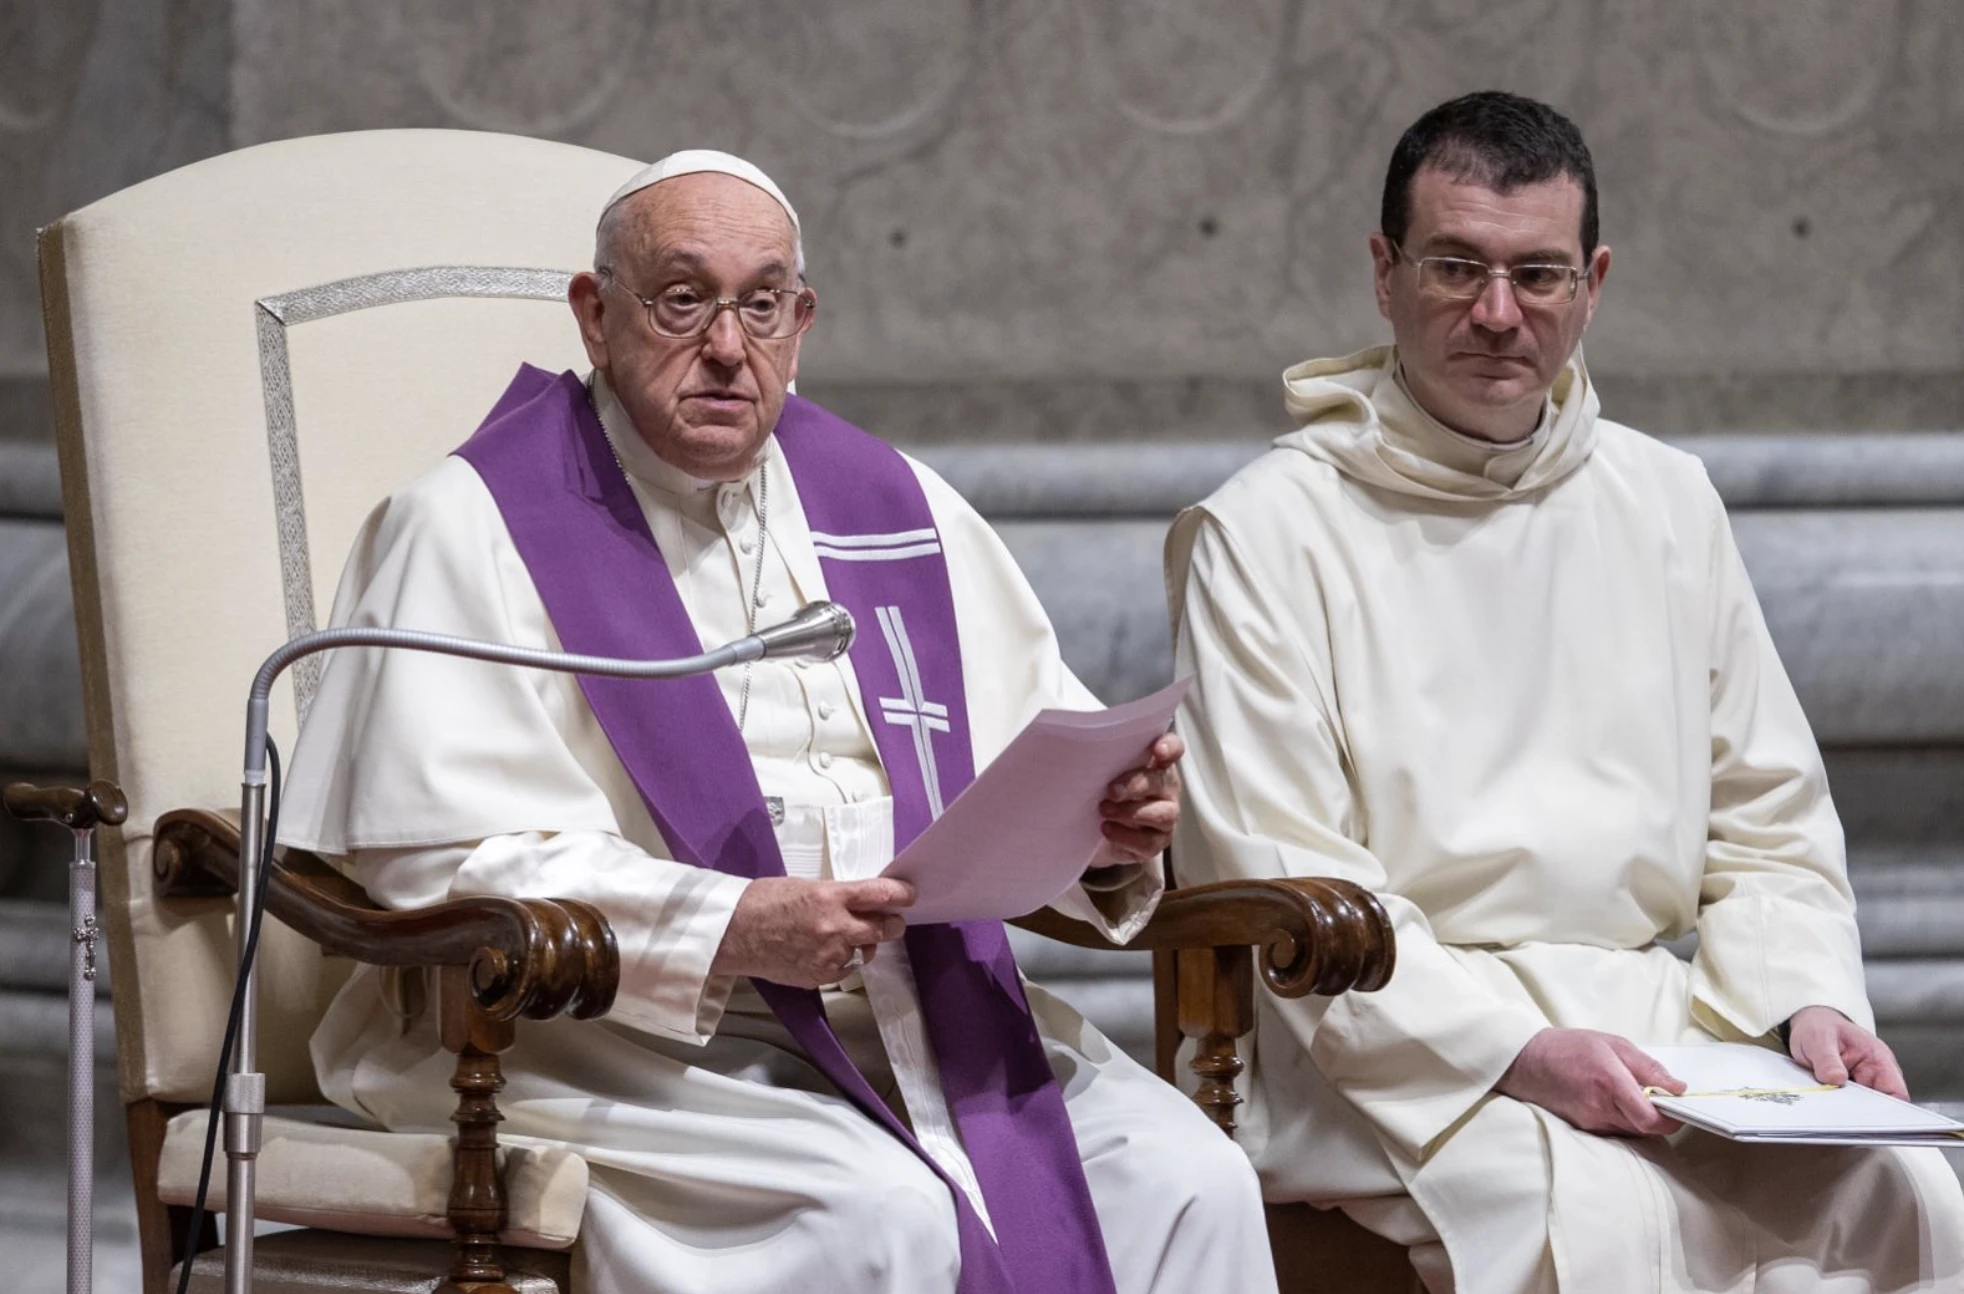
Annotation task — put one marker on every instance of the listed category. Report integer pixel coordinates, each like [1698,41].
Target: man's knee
[1217,1173]
[1201,1173]
[899,1226]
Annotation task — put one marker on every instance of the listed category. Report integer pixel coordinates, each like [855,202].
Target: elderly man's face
[704,404]
[1484,366]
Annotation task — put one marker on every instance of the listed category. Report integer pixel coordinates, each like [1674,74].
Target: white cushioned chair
[246,355]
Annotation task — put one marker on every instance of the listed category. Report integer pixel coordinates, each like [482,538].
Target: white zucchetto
[694,161]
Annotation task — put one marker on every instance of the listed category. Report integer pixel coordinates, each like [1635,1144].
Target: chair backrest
[247,354]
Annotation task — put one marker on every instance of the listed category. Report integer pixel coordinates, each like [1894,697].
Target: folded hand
[805,933]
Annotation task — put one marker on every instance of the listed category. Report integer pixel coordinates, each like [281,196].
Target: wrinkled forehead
[711,204]
[700,222]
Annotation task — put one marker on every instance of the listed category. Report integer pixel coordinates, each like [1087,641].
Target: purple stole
[607,590]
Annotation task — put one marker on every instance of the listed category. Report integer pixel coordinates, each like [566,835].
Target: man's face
[1484,366]
[704,404]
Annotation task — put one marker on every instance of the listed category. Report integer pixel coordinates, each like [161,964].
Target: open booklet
[1749,1093]
[1025,829]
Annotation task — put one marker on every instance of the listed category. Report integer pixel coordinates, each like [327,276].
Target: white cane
[81,811]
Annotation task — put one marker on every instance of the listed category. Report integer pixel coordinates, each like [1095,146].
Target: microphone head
[820,631]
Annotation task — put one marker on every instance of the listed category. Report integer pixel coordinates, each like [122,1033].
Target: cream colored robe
[721,1159]
[1525,694]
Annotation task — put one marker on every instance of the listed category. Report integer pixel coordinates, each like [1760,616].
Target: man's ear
[589,311]
[798,342]
[1593,284]
[1383,260]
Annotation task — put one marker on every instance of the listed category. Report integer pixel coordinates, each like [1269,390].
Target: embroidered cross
[85,935]
[912,709]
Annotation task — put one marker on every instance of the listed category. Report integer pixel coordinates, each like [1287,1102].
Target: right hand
[1594,1080]
[803,933]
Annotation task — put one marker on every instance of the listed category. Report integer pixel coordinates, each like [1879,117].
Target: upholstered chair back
[247,354]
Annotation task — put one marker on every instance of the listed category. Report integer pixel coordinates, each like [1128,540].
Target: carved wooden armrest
[1319,935]
[536,958]
[496,959]
[1315,936]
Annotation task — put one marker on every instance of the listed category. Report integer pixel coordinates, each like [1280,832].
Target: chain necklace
[756,580]
[763,542]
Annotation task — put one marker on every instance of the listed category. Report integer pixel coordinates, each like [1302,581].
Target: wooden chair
[1204,998]
[246,354]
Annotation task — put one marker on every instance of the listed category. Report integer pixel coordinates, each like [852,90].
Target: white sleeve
[440,778]
[668,918]
[1776,918]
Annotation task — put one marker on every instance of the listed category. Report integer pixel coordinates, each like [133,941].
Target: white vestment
[1525,694]
[722,1160]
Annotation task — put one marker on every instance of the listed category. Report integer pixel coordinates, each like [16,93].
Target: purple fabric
[607,590]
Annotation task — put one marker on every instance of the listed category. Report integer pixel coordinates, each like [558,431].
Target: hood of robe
[1356,415]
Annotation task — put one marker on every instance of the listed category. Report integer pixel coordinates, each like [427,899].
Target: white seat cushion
[378,1183]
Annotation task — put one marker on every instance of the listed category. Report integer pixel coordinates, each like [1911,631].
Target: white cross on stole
[912,709]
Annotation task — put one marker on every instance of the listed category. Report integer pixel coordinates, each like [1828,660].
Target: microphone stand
[820,631]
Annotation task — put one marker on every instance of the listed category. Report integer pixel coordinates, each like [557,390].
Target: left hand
[1141,807]
[1837,1049]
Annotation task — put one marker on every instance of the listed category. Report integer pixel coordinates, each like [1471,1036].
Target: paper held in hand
[1027,826]
[1749,1093]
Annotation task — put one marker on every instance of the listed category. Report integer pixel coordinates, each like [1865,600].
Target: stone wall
[1039,219]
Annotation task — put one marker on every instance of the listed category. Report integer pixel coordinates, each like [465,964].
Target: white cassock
[722,1160]
[1526,695]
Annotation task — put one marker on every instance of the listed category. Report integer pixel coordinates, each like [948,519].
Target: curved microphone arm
[819,631]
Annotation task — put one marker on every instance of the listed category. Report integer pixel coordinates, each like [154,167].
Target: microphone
[819,631]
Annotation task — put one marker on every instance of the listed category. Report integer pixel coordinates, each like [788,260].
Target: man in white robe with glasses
[746,1134]
[1463,641]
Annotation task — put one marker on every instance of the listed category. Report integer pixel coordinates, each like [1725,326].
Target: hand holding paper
[1142,806]
[1029,824]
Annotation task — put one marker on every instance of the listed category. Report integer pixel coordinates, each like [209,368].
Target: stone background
[1093,219]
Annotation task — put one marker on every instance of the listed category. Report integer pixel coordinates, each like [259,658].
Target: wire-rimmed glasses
[1457,278]
[683,312]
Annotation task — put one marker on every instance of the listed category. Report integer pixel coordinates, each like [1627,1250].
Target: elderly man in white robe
[740,1138]
[1465,642]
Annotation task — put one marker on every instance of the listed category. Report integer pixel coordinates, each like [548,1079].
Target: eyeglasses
[683,313]
[1455,278]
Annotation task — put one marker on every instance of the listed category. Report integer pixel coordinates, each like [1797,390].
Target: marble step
[30,482]
[1765,470]
[1909,903]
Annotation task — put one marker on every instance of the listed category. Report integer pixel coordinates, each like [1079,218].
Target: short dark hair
[1495,139]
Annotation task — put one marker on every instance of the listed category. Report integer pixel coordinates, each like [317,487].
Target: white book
[1749,1093]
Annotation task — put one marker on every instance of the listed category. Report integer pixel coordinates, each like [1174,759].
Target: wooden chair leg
[477,1190]
[1216,994]
[159,1226]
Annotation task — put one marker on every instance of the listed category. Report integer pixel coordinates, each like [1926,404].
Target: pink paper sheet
[1024,830]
